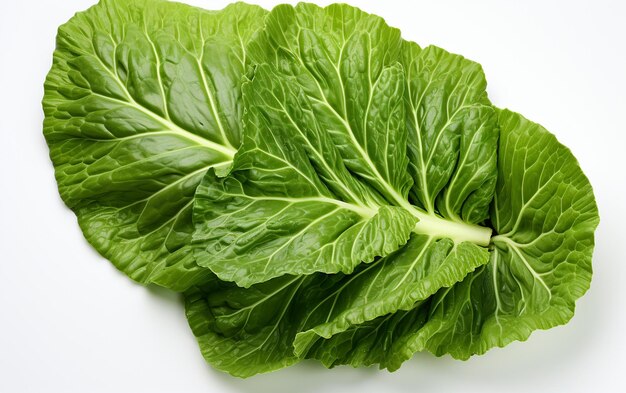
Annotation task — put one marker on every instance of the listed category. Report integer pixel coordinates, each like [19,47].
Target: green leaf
[452,132]
[273,324]
[275,214]
[342,191]
[346,62]
[244,331]
[396,282]
[363,85]
[545,214]
[305,192]
[143,97]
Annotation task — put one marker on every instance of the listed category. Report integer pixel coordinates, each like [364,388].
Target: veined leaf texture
[313,183]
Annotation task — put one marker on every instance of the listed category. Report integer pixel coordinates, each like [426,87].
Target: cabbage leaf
[321,182]
[142,99]
[315,185]
[544,214]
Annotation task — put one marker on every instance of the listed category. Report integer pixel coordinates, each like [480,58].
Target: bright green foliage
[545,215]
[245,331]
[316,185]
[276,215]
[452,140]
[143,97]
[305,192]
[272,324]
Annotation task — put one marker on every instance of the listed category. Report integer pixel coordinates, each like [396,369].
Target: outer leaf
[396,282]
[245,332]
[143,97]
[254,330]
[274,214]
[545,214]
[349,66]
[293,204]
[345,60]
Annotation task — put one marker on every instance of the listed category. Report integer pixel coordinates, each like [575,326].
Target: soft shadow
[547,356]
[166,295]
[304,377]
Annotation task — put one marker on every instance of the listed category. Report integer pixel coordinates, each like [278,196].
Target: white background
[69,322]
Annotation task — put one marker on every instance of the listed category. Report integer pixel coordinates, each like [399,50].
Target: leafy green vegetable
[321,181]
[374,315]
[143,97]
[452,133]
[545,215]
[316,185]
[274,323]
[276,215]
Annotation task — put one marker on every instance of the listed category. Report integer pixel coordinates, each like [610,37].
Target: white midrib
[458,231]
[363,211]
[428,224]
